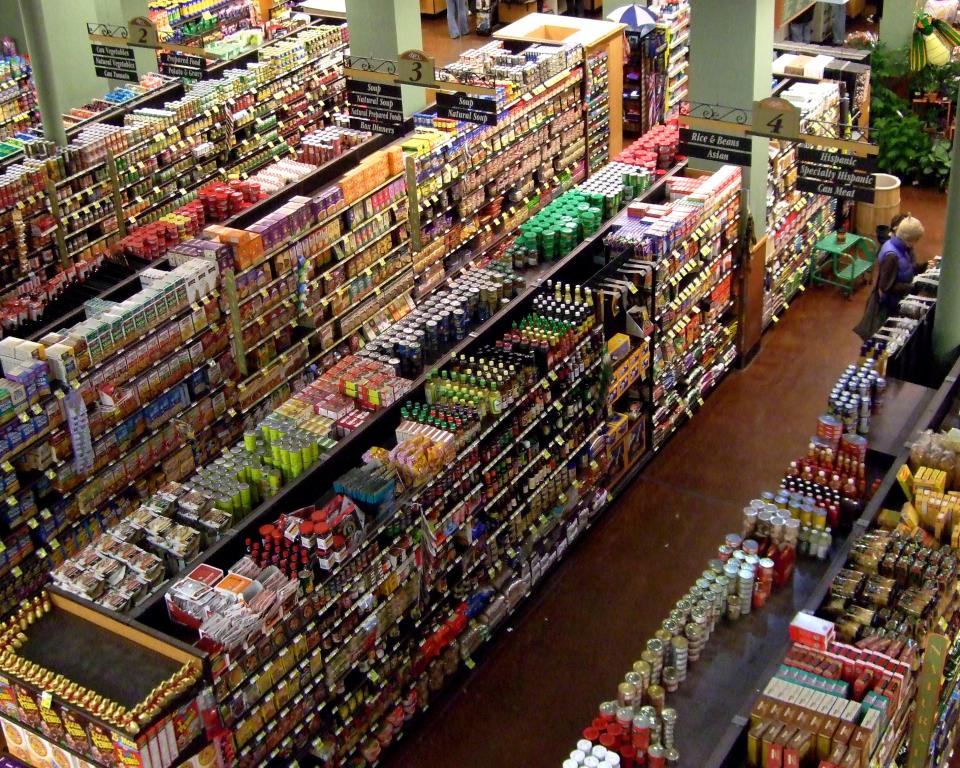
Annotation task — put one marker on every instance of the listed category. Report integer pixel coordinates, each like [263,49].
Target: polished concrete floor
[543,675]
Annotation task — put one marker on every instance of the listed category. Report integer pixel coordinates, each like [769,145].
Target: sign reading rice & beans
[719,147]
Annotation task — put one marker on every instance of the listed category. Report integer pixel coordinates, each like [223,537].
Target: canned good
[656,757]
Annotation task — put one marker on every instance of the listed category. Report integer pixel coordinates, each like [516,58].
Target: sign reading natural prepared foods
[719,147]
[376,107]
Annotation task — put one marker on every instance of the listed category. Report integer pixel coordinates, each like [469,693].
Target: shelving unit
[796,220]
[677,24]
[538,154]
[688,305]
[18,97]
[118,178]
[645,77]
[265,351]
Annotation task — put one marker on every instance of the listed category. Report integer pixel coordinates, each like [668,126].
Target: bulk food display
[867,673]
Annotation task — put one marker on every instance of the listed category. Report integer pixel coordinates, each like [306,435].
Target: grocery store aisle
[539,681]
[538,684]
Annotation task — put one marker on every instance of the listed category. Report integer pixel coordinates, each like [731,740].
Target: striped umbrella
[636,17]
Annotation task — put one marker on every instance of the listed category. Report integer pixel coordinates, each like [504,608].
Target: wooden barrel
[885,205]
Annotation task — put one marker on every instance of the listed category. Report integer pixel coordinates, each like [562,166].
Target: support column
[732,70]
[383,29]
[946,321]
[44,72]
[896,26]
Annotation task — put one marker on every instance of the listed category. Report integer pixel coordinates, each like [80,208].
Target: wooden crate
[516,11]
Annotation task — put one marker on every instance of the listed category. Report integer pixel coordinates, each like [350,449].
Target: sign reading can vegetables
[114,63]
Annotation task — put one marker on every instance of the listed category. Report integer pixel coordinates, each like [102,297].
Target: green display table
[846,261]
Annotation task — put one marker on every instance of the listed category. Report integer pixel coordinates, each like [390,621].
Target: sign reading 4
[777,118]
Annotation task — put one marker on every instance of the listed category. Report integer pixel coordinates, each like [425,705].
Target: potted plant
[949,76]
[926,82]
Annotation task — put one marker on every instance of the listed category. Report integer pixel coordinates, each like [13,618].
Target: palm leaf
[947,32]
[918,52]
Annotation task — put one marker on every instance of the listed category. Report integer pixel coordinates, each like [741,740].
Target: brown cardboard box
[774,753]
[754,739]
[826,735]
[852,759]
[798,65]
[760,710]
[770,738]
[837,753]
[797,748]
[861,740]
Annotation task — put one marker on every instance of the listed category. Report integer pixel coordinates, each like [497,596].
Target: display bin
[131,665]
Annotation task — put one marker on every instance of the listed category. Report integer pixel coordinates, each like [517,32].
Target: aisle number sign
[140,32]
[414,68]
[776,118]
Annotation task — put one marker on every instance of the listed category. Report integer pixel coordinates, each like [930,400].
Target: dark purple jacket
[895,271]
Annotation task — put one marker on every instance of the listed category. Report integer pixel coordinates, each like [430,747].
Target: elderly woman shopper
[895,268]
